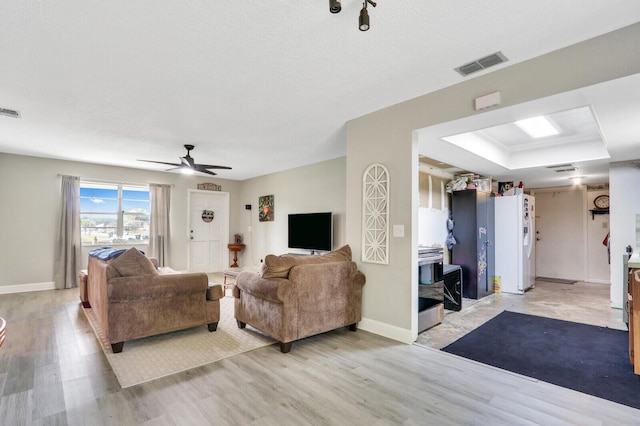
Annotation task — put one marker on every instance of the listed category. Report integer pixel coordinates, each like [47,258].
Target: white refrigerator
[515,242]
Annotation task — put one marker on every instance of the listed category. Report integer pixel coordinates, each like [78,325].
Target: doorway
[560,234]
[208,230]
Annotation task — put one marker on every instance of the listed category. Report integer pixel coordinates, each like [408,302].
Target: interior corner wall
[318,187]
[385,136]
[624,181]
[30,211]
[598,270]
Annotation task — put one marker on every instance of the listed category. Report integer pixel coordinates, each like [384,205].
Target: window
[114,214]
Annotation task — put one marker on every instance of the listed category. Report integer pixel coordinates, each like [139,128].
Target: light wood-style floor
[53,372]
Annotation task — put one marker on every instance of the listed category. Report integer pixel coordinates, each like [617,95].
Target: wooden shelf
[594,212]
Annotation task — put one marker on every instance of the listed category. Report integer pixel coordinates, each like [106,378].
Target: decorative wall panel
[375,214]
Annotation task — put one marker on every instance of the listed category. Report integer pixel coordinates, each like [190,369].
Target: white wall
[30,210]
[624,181]
[319,187]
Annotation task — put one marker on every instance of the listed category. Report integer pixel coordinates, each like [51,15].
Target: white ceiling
[612,134]
[258,86]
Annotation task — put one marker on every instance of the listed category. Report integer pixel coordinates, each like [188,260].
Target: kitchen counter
[634,260]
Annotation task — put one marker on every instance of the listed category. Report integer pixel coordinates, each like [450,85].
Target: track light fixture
[364,15]
[363,22]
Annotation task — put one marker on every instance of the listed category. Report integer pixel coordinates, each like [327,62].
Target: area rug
[589,359]
[555,280]
[150,358]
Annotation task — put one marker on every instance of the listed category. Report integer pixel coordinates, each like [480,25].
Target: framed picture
[265,208]
[506,188]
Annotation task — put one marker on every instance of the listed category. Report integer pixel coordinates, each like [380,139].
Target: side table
[235,248]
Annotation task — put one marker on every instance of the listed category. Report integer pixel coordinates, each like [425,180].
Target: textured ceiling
[258,86]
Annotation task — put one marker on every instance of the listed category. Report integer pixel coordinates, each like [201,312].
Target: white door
[560,245]
[208,230]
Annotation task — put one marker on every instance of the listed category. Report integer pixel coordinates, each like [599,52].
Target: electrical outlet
[249,229]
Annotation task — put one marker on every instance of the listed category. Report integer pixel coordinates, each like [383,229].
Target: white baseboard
[598,281]
[385,330]
[23,288]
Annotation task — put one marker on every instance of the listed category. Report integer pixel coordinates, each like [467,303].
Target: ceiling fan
[188,165]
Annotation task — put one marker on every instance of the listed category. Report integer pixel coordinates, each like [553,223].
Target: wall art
[265,208]
[375,214]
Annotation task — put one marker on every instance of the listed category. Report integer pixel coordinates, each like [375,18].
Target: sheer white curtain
[160,198]
[68,244]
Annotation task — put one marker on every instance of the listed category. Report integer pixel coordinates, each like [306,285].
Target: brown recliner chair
[300,296]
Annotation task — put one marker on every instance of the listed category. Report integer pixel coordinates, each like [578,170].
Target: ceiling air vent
[481,64]
[560,166]
[568,167]
[9,113]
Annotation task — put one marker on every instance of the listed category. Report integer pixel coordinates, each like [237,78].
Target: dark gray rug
[589,359]
[555,280]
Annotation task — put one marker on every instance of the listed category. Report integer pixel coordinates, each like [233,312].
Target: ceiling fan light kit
[188,166]
[363,21]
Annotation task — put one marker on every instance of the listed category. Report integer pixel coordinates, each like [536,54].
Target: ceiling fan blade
[200,167]
[187,162]
[162,162]
[207,172]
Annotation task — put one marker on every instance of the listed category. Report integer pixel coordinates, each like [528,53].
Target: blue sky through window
[102,200]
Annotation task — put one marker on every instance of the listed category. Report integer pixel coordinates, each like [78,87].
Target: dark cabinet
[473,216]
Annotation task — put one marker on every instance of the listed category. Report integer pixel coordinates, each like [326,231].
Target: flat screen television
[311,231]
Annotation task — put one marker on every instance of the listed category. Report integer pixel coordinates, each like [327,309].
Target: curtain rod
[120,182]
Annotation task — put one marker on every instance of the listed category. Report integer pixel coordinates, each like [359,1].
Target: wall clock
[601,202]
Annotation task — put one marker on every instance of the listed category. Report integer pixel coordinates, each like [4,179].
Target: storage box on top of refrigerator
[515,242]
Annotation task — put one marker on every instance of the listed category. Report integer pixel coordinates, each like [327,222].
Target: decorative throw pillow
[279,266]
[132,263]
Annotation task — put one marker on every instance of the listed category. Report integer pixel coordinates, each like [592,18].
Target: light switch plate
[398,230]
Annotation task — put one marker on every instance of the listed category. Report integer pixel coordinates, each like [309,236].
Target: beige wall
[30,207]
[385,136]
[29,186]
[30,194]
[598,270]
[319,187]
[437,195]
